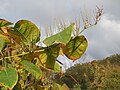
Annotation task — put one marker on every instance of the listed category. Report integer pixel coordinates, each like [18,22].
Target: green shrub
[98,74]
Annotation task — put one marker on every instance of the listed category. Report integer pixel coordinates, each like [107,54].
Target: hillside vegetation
[96,75]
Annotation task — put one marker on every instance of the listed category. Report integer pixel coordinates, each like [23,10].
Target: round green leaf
[9,78]
[75,48]
[26,32]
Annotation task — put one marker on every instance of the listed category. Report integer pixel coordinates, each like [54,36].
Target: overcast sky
[104,38]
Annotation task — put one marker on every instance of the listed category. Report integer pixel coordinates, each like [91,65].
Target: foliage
[113,59]
[33,65]
[26,66]
[97,75]
[75,48]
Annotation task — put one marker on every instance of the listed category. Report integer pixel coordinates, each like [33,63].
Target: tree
[96,75]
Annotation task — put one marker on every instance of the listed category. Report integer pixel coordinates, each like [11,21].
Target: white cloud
[104,38]
[3,7]
[44,11]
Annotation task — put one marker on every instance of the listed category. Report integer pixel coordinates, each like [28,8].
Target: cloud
[43,11]
[104,39]
[3,7]
[112,9]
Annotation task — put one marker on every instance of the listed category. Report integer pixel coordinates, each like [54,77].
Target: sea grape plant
[24,65]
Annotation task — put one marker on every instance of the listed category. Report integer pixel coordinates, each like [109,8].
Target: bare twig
[87,21]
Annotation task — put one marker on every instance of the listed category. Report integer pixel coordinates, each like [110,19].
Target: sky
[103,39]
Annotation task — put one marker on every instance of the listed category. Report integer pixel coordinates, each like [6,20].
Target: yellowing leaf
[26,32]
[29,57]
[75,48]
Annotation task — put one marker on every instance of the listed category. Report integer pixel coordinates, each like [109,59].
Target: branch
[86,20]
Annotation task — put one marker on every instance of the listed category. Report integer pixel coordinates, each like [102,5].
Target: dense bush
[98,74]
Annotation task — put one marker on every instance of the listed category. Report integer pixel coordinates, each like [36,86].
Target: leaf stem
[19,54]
